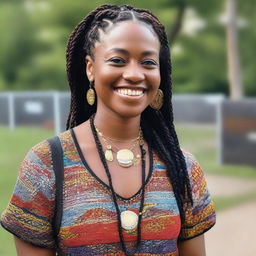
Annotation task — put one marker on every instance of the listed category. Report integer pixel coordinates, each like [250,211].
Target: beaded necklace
[143,167]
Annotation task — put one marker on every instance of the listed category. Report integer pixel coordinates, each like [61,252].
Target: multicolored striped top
[89,222]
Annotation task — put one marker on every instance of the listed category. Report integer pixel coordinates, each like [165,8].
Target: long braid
[163,142]
[76,70]
[167,135]
[157,126]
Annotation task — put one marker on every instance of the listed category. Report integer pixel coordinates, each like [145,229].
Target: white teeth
[130,92]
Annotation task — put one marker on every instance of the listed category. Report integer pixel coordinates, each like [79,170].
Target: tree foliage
[34,34]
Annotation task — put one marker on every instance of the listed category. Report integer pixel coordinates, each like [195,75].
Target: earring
[90,95]
[158,101]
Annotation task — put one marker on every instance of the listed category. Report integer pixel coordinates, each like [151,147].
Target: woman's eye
[149,63]
[117,61]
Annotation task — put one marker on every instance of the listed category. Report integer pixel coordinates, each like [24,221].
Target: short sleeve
[30,210]
[201,216]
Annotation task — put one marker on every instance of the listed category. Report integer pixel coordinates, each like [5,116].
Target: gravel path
[229,186]
[235,231]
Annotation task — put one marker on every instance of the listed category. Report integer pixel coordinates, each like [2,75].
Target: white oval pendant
[129,220]
[125,157]
[109,155]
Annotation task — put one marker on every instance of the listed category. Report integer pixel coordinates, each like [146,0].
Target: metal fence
[46,109]
[51,108]
[237,131]
[198,109]
[235,121]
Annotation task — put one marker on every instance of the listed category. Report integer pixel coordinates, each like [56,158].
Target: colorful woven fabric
[89,223]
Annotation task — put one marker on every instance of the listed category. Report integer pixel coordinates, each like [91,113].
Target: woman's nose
[133,73]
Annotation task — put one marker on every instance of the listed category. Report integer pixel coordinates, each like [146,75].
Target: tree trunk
[178,22]
[234,69]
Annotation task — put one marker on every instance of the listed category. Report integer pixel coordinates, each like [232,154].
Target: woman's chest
[90,218]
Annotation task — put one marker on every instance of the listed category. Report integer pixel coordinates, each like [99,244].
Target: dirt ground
[235,231]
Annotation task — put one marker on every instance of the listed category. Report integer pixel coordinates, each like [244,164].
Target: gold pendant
[129,220]
[125,157]
[136,160]
[158,101]
[90,95]
[109,154]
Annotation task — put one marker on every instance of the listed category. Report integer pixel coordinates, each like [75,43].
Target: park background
[34,34]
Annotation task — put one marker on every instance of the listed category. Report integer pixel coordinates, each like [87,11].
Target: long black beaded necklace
[143,167]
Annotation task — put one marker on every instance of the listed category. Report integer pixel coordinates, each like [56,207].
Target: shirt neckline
[87,167]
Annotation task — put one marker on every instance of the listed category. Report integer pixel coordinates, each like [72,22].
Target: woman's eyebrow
[120,50]
[123,51]
[145,53]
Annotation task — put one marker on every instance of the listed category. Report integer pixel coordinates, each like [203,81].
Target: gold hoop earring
[90,95]
[158,101]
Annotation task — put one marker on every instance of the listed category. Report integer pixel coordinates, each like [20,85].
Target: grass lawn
[201,141]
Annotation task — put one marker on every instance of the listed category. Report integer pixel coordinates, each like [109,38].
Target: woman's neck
[115,127]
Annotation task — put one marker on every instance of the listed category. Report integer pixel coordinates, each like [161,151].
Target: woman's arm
[25,249]
[192,247]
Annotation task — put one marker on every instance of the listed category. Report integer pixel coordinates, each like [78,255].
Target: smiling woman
[125,69]
[126,187]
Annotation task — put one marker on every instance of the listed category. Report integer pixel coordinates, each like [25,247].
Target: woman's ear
[89,68]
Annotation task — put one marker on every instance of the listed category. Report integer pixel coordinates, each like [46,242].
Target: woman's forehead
[129,34]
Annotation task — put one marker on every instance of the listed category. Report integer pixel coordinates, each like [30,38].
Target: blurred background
[214,72]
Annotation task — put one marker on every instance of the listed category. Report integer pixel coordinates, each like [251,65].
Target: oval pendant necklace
[127,220]
[125,157]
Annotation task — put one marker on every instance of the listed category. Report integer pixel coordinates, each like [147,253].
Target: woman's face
[125,68]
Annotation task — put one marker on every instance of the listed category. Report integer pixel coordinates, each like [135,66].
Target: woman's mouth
[130,92]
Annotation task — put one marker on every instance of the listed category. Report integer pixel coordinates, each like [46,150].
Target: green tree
[34,34]
[18,43]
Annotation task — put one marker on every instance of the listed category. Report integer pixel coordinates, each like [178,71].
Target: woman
[128,189]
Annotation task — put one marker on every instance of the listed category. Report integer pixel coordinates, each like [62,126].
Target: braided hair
[157,125]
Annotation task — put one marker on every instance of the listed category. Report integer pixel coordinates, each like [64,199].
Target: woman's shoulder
[188,156]
[200,216]
[34,197]
[194,169]
[40,154]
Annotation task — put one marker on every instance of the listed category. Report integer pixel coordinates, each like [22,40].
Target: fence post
[11,110]
[56,107]
[219,124]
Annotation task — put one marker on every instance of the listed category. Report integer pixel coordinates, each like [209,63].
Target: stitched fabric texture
[89,223]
